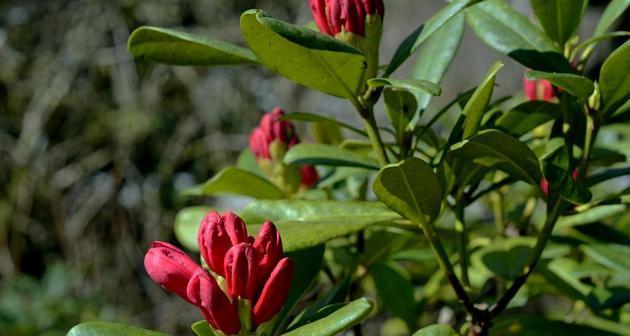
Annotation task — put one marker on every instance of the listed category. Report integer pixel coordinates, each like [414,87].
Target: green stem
[367,113]
[543,238]
[592,128]
[460,227]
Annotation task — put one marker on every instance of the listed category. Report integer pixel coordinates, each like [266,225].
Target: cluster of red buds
[248,281]
[270,141]
[539,89]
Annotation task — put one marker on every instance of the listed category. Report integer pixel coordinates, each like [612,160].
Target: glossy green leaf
[355,312]
[178,48]
[614,79]
[576,85]
[202,328]
[187,224]
[556,168]
[327,155]
[492,148]
[324,306]
[477,104]
[259,211]
[501,27]
[613,256]
[400,106]
[559,18]
[310,117]
[527,116]
[436,330]
[507,257]
[412,85]
[410,188]
[437,53]
[424,32]
[110,329]
[536,326]
[304,56]
[236,181]
[396,292]
[615,9]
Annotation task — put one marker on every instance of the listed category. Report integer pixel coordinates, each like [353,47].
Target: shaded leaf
[559,18]
[527,116]
[310,117]
[615,9]
[236,181]
[613,256]
[477,104]
[614,79]
[412,85]
[353,313]
[557,171]
[110,329]
[327,155]
[436,330]
[538,326]
[396,292]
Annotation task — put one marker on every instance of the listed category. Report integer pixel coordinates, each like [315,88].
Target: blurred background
[94,145]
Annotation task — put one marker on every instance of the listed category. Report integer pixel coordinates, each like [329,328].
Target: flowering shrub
[553,204]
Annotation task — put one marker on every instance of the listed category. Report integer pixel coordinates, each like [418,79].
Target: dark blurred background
[94,145]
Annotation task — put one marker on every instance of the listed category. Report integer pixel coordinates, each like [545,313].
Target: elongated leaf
[400,106]
[355,312]
[615,9]
[412,85]
[202,328]
[614,79]
[436,55]
[324,306]
[613,256]
[477,104]
[559,18]
[187,224]
[236,181]
[492,148]
[525,117]
[512,34]
[310,117]
[537,326]
[327,155]
[578,86]
[259,211]
[592,215]
[303,55]
[410,188]
[396,292]
[110,329]
[178,48]
[436,330]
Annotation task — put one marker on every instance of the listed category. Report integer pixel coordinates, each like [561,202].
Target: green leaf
[559,18]
[614,256]
[436,330]
[411,85]
[396,292]
[187,224]
[477,104]
[592,215]
[614,79]
[410,188]
[298,210]
[324,306]
[492,148]
[505,258]
[202,328]
[110,329]
[527,116]
[327,155]
[304,56]
[247,161]
[511,33]
[400,106]
[417,37]
[606,175]
[557,171]
[310,117]
[615,9]
[178,48]
[236,181]
[537,326]
[354,313]
[576,85]
[437,54]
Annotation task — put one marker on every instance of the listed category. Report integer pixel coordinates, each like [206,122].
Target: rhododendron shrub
[511,219]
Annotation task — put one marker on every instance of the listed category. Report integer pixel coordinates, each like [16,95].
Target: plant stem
[592,128]
[367,113]
[545,234]
[460,227]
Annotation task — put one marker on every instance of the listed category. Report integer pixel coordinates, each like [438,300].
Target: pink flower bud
[538,89]
[544,184]
[309,176]
[336,16]
[274,293]
[170,267]
[204,292]
[216,235]
[240,271]
[268,246]
[272,128]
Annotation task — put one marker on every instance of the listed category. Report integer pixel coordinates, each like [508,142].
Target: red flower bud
[538,89]
[272,128]
[216,235]
[240,271]
[268,246]
[544,184]
[309,176]
[170,267]
[204,292]
[274,293]
[335,16]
